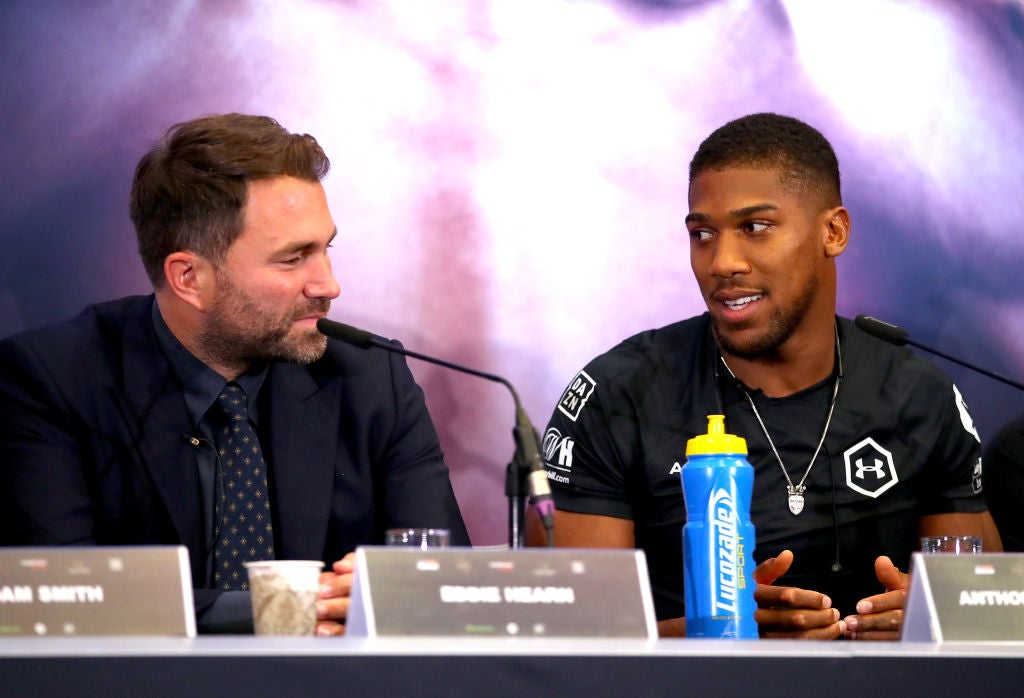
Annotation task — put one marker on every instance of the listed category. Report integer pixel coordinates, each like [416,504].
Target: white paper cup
[956,545]
[423,538]
[284,594]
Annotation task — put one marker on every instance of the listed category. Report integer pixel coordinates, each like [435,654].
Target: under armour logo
[863,459]
[877,469]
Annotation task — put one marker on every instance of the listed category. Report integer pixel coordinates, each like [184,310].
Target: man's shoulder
[650,369]
[881,361]
[84,356]
[656,348]
[100,326]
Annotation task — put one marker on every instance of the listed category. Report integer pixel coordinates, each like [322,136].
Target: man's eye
[756,227]
[700,235]
[292,260]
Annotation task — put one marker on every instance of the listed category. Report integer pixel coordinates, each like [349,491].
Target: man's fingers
[343,584]
[332,585]
[881,603]
[329,627]
[771,620]
[788,612]
[889,575]
[768,596]
[332,609]
[773,568]
[830,632]
[877,626]
[874,635]
[880,617]
[890,621]
[345,565]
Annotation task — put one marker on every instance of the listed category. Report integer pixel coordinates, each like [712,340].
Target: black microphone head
[894,334]
[345,333]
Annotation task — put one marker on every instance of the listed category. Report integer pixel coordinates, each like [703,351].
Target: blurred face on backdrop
[276,279]
[762,253]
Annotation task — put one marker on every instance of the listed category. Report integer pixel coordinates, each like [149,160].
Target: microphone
[526,438]
[894,334]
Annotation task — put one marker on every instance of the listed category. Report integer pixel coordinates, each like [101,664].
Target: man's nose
[728,257]
[322,284]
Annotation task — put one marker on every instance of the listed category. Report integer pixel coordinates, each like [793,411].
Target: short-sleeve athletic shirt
[901,445]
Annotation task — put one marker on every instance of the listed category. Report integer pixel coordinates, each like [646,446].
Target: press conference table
[348,667]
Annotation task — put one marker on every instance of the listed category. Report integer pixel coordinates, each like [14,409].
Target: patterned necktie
[245,532]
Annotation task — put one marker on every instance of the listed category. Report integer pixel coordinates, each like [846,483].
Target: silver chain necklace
[796,492]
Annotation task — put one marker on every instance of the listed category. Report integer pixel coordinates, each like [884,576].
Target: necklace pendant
[796,500]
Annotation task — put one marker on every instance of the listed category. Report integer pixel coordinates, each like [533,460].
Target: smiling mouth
[741,303]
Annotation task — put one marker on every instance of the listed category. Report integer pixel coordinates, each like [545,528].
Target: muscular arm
[961,524]
[582,531]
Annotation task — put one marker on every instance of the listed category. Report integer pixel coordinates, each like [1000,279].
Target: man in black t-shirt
[858,447]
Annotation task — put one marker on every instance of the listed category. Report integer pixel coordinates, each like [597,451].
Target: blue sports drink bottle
[718,538]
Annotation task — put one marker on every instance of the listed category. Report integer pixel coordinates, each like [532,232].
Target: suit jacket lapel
[302,457]
[157,418]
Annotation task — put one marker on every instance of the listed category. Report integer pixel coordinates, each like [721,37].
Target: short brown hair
[189,191]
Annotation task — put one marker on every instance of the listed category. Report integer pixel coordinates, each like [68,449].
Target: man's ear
[837,231]
[190,277]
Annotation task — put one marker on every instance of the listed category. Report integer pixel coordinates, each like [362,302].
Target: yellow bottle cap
[716,440]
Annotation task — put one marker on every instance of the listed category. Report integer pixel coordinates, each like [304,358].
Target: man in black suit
[214,414]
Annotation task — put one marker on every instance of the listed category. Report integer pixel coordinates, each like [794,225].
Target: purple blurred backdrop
[509,176]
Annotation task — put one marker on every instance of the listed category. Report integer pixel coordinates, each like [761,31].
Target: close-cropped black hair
[804,158]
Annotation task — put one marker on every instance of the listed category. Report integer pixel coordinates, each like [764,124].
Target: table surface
[256,666]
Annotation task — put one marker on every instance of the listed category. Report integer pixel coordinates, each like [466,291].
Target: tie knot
[233,401]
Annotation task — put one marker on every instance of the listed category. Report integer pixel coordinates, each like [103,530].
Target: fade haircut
[190,190]
[804,158]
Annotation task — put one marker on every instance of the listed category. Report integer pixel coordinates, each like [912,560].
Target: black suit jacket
[92,447]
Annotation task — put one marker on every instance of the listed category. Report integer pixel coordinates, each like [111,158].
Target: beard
[782,323]
[240,330]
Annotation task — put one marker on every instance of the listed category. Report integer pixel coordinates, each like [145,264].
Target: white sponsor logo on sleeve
[965,415]
[576,395]
[558,450]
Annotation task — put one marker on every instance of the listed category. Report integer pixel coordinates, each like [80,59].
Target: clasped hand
[335,596]
[789,612]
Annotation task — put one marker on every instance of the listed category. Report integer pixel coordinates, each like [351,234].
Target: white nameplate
[965,598]
[65,591]
[535,592]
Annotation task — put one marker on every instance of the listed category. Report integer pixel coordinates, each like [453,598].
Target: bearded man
[858,447]
[213,414]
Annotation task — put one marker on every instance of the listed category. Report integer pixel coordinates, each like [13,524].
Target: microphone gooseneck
[894,334]
[526,437]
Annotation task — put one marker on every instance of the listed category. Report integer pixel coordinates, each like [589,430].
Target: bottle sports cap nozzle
[716,440]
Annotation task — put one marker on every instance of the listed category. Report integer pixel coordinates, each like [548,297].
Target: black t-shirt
[901,445]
